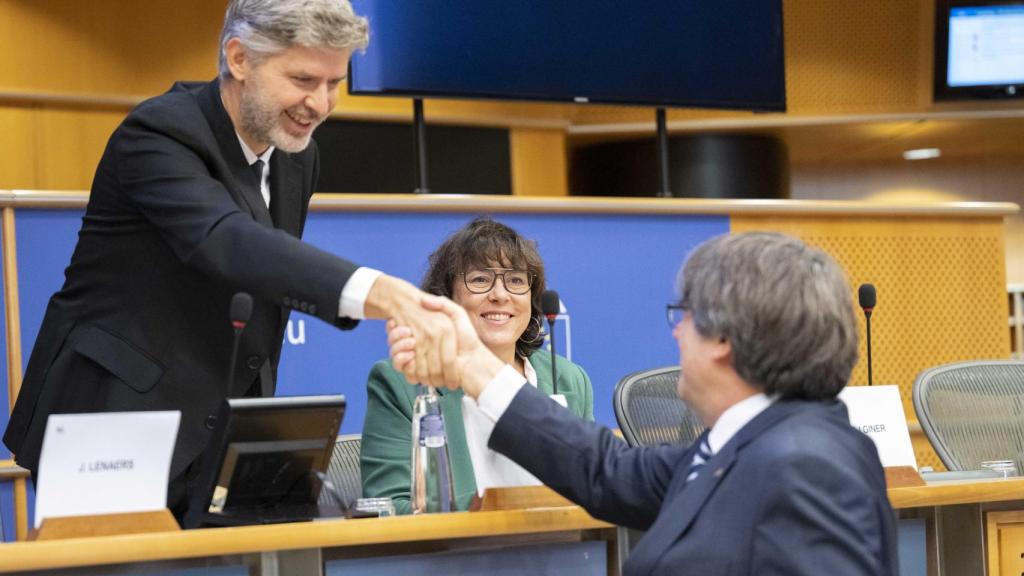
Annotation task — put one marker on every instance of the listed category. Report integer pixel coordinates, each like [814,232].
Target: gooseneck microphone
[550,306]
[241,310]
[868,298]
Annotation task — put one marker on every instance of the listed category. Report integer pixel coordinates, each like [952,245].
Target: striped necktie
[700,457]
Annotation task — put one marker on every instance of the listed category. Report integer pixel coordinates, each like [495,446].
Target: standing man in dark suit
[780,485]
[201,193]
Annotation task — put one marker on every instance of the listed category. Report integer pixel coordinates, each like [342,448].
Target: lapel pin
[718,472]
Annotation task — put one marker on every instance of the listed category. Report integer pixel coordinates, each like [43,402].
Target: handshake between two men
[448,354]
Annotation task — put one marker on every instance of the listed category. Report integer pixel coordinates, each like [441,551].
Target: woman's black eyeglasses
[482,281]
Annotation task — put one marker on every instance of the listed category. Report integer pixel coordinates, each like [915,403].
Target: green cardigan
[387,430]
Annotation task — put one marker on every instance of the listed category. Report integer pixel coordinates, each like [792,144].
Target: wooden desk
[958,492]
[301,548]
[955,515]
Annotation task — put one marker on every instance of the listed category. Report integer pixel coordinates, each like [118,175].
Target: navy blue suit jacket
[796,491]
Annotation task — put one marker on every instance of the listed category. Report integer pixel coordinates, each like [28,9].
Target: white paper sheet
[105,463]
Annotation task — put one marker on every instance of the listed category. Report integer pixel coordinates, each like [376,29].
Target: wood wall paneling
[984,178]
[70,144]
[853,56]
[107,46]
[538,162]
[18,146]
[1005,533]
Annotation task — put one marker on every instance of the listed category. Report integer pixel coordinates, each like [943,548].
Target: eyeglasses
[482,281]
[675,312]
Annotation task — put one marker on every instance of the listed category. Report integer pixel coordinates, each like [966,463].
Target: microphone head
[867,297]
[550,305]
[241,309]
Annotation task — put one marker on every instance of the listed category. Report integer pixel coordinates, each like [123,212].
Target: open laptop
[265,460]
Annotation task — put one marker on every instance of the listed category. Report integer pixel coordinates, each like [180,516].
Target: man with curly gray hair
[202,193]
[780,484]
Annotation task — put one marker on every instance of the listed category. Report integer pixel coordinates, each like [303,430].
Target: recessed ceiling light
[921,153]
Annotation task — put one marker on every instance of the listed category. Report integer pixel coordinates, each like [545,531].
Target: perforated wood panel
[941,288]
[856,56]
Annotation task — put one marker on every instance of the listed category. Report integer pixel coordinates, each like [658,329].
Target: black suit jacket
[174,227]
[796,491]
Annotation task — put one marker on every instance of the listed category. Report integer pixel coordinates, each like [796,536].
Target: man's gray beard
[260,121]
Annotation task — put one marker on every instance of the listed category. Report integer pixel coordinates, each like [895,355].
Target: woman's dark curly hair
[481,244]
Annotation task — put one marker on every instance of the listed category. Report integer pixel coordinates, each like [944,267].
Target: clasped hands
[463,359]
[431,338]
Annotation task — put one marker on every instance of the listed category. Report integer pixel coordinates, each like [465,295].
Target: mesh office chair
[343,471]
[650,412]
[972,412]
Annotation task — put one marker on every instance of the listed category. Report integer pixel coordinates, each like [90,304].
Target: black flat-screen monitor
[698,53]
[263,460]
[979,49]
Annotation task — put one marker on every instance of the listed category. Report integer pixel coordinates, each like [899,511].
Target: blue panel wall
[913,548]
[45,241]
[614,273]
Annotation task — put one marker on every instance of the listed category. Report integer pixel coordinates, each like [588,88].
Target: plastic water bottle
[431,485]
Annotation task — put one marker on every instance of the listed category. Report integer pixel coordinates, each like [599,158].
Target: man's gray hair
[785,308]
[267,27]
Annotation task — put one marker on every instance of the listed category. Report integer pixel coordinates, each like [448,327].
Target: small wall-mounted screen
[986,45]
[979,49]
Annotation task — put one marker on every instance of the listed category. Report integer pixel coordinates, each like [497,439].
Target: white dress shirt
[500,392]
[491,469]
[353,295]
[735,418]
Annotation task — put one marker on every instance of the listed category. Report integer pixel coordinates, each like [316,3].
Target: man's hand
[433,362]
[475,365]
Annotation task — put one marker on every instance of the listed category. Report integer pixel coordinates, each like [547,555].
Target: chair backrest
[343,471]
[650,412]
[972,412]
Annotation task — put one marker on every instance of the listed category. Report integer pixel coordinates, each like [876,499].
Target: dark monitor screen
[721,54]
[263,458]
[979,50]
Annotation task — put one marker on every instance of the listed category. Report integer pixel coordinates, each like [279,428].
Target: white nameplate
[105,463]
[878,412]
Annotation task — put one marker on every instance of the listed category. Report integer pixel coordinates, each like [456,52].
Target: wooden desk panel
[387,536]
[960,492]
[957,516]
[446,528]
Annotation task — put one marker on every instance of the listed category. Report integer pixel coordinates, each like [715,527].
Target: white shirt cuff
[355,292]
[499,392]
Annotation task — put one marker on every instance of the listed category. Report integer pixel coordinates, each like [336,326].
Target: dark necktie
[275,205]
[257,170]
[272,206]
[700,457]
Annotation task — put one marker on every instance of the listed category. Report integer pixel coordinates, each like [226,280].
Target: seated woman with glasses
[498,277]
